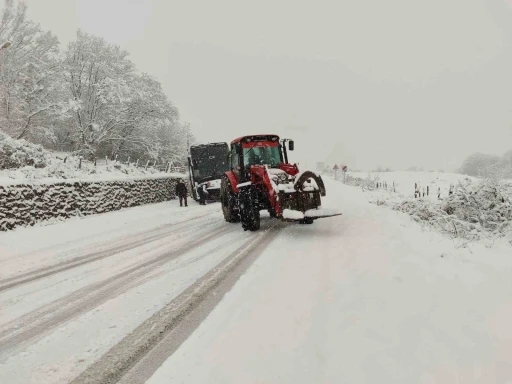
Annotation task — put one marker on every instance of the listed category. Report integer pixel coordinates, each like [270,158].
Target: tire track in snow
[34,325]
[147,237]
[138,355]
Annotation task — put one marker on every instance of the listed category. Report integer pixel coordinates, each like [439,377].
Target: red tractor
[260,178]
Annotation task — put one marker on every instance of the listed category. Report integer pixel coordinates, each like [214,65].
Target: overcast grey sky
[393,83]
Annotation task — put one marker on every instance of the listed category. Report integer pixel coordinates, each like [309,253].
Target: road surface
[163,294]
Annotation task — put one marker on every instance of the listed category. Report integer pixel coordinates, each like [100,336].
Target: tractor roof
[260,137]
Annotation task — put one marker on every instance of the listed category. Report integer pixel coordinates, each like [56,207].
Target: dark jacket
[181,189]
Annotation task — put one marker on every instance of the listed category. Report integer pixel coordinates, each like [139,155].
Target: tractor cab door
[234,159]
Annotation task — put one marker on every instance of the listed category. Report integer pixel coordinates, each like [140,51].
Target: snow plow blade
[292,215]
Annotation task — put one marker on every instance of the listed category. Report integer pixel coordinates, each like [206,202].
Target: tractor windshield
[270,156]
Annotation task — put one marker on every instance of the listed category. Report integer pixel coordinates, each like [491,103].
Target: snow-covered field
[405,181]
[367,297]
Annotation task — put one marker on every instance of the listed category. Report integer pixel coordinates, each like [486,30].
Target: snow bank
[290,214]
[22,162]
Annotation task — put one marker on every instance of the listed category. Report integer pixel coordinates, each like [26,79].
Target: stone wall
[25,204]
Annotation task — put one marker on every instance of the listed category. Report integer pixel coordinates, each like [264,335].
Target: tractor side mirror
[290,145]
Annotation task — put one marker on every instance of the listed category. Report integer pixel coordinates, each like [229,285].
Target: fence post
[137,163]
[80,163]
[65,158]
[106,159]
[94,161]
[147,164]
[115,159]
[128,160]
[427,190]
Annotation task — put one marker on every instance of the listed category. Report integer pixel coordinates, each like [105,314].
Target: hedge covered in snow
[27,204]
[21,153]
[474,211]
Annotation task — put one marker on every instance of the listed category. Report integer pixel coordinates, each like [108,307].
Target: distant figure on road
[202,192]
[181,191]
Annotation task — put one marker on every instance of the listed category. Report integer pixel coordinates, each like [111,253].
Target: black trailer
[206,164]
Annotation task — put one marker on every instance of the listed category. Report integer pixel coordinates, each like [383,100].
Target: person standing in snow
[181,191]
[202,192]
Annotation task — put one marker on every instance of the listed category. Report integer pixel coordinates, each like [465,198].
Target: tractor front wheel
[249,210]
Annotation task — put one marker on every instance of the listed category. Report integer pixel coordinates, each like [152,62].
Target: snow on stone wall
[27,204]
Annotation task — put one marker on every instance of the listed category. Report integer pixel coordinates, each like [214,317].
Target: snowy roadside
[476,210]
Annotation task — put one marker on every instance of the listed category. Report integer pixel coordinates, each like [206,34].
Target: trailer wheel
[228,201]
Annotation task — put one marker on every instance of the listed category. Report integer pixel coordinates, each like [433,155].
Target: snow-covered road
[362,298]
[70,291]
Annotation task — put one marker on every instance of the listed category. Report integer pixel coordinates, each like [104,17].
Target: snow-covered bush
[20,153]
[367,184]
[474,211]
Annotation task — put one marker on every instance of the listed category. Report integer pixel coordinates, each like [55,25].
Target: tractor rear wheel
[228,201]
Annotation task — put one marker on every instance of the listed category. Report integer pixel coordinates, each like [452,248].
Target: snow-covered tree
[31,87]
[143,118]
[89,99]
[98,77]
[480,165]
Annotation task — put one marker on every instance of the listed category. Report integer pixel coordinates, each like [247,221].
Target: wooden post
[128,160]
[147,164]
[106,160]
[137,163]
[80,163]
[94,161]
[427,190]
[115,159]
[65,159]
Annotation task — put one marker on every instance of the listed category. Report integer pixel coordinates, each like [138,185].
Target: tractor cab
[262,150]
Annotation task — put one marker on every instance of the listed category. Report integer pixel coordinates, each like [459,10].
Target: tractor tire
[228,201]
[307,220]
[249,211]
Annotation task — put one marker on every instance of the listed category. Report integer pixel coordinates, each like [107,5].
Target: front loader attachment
[309,215]
[304,203]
